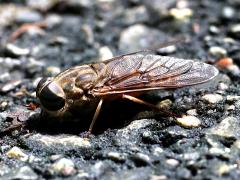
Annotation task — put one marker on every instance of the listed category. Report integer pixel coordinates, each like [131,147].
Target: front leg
[95,116]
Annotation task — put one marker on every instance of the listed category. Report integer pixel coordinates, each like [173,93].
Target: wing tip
[212,71]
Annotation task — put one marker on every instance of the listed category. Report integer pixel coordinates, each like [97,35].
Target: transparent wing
[143,71]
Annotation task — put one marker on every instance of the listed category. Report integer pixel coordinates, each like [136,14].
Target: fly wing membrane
[163,67]
[119,69]
[199,73]
[149,67]
[139,72]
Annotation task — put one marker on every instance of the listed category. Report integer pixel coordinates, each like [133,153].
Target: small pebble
[42,5]
[207,38]
[5,76]
[218,151]
[105,53]
[182,4]
[165,104]
[228,127]
[16,51]
[222,86]
[51,71]
[64,167]
[217,51]
[147,134]
[17,153]
[212,98]
[189,121]
[80,5]
[3,105]
[237,104]
[11,85]
[172,162]
[115,156]
[32,159]
[53,20]
[229,40]
[167,50]
[28,16]
[130,134]
[231,98]
[99,168]
[230,108]
[181,14]
[157,151]
[228,12]
[225,168]
[138,37]
[213,141]
[235,29]
[176,131]
[83,175]
[161,177]
[191,156]
[59,40]
[221,92]
[210,111]
[141,159]
[214,29]
[88,33]
[192,112]
[32,64]
[234,69]
[224,62]
[56,157]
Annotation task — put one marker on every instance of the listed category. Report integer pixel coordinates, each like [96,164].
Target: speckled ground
[129,141]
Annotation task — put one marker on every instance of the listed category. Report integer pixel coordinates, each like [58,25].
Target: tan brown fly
[87,86]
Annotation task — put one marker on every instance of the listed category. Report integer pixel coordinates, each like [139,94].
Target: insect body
[87,85]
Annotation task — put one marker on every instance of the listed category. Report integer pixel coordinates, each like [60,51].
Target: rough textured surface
[129,141]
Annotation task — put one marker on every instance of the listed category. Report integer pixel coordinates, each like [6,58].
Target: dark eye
[51,96]
[41,84]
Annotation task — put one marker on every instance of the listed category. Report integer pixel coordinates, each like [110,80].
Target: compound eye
[51,96]
[43,82]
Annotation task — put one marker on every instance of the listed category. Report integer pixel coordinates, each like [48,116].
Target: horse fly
[87,86]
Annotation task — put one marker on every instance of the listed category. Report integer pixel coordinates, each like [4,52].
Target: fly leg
[139,101]
[95,116]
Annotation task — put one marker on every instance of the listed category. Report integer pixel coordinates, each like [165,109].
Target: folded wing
[143,71]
